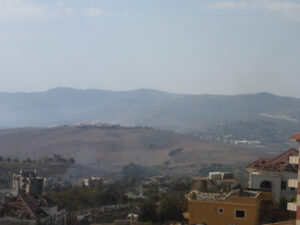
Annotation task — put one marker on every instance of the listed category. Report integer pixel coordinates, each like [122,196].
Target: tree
[57,158]
[71,160]
[136,171]
[171,207]
[174,152]
[28,160]
[148,211]
[181,187]
[16,160]
[152,192]
[283,203]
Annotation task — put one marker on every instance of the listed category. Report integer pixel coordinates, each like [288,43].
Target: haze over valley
[267,118]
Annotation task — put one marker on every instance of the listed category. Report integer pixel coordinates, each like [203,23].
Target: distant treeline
[137,172]
[114,126]
[45,159]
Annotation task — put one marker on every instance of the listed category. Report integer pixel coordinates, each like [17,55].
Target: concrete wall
[207,212]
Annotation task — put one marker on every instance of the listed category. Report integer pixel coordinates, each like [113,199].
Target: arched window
[266,185]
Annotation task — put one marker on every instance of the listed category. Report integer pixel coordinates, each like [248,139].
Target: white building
[27,181]
[274,175]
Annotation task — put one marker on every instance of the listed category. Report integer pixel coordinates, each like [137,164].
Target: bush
[174,152]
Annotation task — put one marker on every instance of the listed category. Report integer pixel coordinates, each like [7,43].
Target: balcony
[293,183]
[294,160]
[291,206]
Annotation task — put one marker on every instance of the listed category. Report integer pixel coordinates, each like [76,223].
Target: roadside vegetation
[162,200]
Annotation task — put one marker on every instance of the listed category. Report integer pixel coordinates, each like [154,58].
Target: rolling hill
[114,146]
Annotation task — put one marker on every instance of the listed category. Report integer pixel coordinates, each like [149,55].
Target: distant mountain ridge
[179,112]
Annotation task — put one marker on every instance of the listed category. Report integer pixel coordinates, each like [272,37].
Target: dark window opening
[240,214]
[283,185]
[266,185]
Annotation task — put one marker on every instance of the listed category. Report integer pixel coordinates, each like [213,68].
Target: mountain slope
[117,146]
[140,108]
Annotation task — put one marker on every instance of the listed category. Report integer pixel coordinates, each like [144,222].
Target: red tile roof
[259,164]
[280,163]
[25,207]
[296,137]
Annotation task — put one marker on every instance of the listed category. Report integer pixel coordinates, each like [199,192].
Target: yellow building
[239,207]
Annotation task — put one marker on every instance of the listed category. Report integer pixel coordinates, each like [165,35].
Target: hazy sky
[187,46]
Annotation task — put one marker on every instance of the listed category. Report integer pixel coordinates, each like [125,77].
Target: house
[136,193]
[92,182]
[274,174]
[240,207]
[27,181]
[27,209]
[294,206]
[54,183]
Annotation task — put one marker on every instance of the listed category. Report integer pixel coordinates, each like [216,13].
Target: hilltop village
[270,196]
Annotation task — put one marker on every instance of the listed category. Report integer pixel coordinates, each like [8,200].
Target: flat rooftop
[203,196]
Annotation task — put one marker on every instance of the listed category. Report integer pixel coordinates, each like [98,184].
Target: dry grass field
[117,146]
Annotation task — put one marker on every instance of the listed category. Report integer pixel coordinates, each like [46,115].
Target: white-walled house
[274,175]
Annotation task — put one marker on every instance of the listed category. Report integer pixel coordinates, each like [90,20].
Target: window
[240,214]
[283,185]
[220,211]
[266,185]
